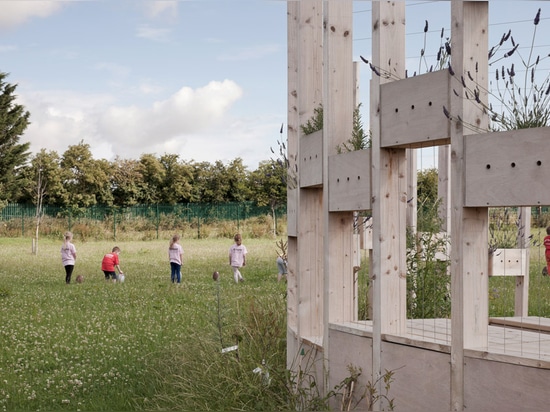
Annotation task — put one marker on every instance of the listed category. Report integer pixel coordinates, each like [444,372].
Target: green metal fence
[193,213]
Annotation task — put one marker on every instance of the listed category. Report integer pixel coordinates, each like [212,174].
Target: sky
[204,79]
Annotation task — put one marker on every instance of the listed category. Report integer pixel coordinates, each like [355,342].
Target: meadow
[145,344]
[148,344]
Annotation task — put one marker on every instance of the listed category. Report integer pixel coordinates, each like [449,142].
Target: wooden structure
[440,364]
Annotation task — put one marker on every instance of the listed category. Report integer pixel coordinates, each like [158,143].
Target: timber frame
[324,335]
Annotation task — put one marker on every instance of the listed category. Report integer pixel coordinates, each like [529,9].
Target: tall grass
[146,343]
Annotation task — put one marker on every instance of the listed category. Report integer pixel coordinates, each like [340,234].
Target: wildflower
[451,71]
[446,113]
[509,53]
[537,18]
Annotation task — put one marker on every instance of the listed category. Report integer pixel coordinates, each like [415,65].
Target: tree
[153,177]
[14,120]
[178,178]
[269,185]
[236,174]
[127,182]
[87,182]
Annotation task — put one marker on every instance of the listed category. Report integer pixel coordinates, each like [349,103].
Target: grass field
[148,344]
[143,344]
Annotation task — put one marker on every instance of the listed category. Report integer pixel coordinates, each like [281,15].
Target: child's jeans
[175,274]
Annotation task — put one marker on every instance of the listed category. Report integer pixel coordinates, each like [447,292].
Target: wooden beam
[469,226]
[389,187]
[338,105]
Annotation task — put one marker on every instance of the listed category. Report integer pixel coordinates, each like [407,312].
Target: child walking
[68,256]
[237,257]
[175,256]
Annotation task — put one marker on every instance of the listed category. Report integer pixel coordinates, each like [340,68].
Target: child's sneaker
[545,271]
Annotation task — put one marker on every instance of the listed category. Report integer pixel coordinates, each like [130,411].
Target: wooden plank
[311,160]
[338,106]
[507,168]
[469,226]
[389,184]
[292,211]
[309,267]
[293,120]
[349,182]
[412,111]
[508,262]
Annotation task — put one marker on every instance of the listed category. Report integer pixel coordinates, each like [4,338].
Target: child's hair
[67,237]
[548,230]
[237,237]
[116,249]
[174,239]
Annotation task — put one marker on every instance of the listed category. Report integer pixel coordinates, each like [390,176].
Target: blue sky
[205,79]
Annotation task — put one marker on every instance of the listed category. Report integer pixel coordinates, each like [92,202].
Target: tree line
[74,179]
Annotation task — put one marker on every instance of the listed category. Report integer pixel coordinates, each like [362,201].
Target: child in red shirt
[546,270]
[110,263]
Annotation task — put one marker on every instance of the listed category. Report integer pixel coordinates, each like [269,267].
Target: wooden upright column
[469,226]
[389,186]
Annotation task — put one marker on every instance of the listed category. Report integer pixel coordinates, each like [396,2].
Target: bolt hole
[539,163]
[488,167]
[513,164]
[412,107]
[429,103]
[396,110]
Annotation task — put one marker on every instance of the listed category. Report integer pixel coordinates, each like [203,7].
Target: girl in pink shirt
[175,256]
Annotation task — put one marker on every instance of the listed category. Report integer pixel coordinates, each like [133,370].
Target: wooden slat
[412,111]
[508,262]
[349,181]
[311,160]
[507,168]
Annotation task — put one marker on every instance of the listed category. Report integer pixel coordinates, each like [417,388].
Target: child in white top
[237,257]
[68,256]
[175,256]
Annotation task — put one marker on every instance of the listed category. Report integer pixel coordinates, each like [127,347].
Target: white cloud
[151,33]
[7,48]
[161,8]
[186,111]
[17,12]
[194,123]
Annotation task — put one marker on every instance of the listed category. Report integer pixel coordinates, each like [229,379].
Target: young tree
[41,182]
[14,119]
[269,185]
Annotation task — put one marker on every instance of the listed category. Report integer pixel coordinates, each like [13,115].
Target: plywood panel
[421,377]
[349,181]
[311,160]
[412,111]
[507,168]
[496,386]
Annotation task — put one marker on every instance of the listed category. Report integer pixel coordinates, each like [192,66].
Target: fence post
[114,223]
[238,219]
[158,220]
